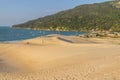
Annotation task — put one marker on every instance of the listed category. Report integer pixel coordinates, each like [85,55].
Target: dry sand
[56,57]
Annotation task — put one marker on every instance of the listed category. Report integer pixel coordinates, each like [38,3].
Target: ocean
[12,34]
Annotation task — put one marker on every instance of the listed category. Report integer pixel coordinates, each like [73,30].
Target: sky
[19,11]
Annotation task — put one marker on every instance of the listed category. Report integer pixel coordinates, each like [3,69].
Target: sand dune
[57,57]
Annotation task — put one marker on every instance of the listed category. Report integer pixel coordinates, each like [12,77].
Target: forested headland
[97,16]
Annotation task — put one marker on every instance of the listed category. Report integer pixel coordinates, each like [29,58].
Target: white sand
[52,58]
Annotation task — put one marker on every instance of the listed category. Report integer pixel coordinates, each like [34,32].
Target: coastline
[50,29]
[13,34]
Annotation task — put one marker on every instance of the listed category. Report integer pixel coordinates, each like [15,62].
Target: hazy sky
[19,11]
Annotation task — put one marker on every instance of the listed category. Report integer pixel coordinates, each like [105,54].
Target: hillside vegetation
[98,16]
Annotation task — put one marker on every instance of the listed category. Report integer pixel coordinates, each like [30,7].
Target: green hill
[100,16]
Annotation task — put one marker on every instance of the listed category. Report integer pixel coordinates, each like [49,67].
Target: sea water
[14,34]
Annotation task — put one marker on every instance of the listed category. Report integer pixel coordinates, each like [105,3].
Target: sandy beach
[56,57]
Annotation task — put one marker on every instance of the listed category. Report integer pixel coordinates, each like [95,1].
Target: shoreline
[61,37]
[22,34]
